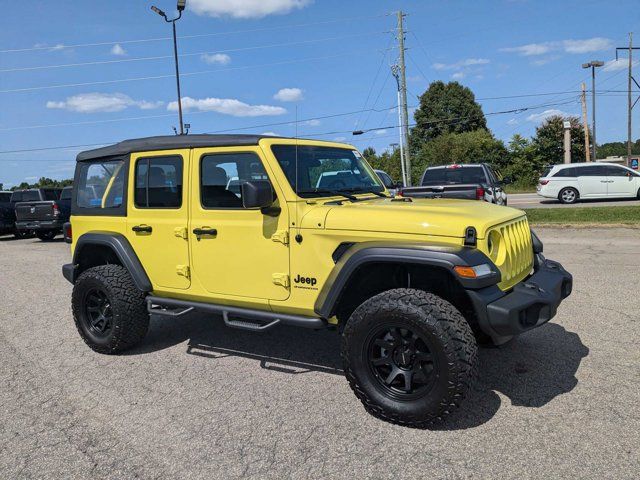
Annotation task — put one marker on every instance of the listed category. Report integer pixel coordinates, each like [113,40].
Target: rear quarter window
[66,194]
[566,172]
[100,185]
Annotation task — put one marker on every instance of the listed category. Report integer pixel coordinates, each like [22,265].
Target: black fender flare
[443,256]
[119,244]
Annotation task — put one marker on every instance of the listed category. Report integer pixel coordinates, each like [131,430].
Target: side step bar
[258,320]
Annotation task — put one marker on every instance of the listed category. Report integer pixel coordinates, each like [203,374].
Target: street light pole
[593,65]
[181,7]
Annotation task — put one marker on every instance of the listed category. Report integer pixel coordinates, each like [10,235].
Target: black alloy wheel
[98,314]
[402,362]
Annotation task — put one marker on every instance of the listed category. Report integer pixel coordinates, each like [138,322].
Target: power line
[61,46]
[375,79]
[187,74]
[453,119]
[162,57]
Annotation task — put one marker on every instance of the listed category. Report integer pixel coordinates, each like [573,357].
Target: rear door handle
[205,231]
[142,229]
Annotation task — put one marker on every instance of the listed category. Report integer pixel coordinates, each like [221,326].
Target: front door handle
[205,231]
[142,229]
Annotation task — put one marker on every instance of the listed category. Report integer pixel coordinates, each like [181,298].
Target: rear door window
[592,171]
[159,182]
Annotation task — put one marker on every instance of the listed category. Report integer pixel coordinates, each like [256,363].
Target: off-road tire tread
[455,335]
[131,318]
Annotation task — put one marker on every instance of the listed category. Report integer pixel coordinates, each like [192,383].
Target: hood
[441,217]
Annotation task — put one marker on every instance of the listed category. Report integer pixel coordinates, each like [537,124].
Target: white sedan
[582,181]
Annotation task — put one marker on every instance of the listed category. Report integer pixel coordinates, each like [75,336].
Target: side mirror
[256,194]
[507,180]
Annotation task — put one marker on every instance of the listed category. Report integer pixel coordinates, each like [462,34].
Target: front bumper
[530,303]
[40,225]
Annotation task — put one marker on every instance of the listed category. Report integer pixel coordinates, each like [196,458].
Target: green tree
[446,108]
[478,146]
[618,149]
[549,140]
[388,162]
[523,164]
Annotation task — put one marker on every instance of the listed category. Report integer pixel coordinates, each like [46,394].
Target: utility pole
[583,98]
[593,64]
[630,102]
[402,89]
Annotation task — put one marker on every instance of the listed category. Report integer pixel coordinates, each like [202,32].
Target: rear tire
[108,309]
[46,235]
[568,195]
[409,356]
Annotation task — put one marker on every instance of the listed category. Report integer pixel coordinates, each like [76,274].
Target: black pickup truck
[466,181]
[43,211]
[7,215]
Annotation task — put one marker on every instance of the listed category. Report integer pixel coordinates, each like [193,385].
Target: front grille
[514,255]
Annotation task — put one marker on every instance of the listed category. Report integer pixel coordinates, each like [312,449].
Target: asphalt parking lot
[533,200]
[197,400]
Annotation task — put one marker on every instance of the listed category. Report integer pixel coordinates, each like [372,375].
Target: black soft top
[170,142]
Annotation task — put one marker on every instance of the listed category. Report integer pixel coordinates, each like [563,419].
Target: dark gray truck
[43,211]
[465,181]
[7,215]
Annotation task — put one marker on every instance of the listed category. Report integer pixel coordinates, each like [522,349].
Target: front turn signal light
[473,272]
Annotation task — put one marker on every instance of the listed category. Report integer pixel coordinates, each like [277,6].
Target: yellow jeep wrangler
[269,231]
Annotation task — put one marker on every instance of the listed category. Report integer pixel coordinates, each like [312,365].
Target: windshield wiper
[362,190]
[321,191]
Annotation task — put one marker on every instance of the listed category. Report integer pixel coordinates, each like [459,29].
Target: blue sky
[251,63]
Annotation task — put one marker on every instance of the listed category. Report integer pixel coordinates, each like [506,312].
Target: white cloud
[118,50]
[458,76]
[539,117]
[312,123]
[216,58]
[380,132]
[339,139]
[620,64]
[595,44]
[245,8]
[512,122]
[529,49]
[289,95]
[467,62]
[271,134]
[101,102]
[227,106]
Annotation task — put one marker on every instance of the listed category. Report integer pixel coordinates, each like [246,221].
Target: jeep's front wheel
[409,356]
[109,311]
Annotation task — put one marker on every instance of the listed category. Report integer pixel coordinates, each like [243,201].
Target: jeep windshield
[316,171]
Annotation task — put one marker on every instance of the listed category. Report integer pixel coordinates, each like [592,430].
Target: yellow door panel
[157,216]
[236,251]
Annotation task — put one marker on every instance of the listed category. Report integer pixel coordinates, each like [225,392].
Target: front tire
[568,195]
[108,309]
[409,356]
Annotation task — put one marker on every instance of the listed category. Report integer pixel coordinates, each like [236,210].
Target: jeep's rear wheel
[109,311]
[409,356]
